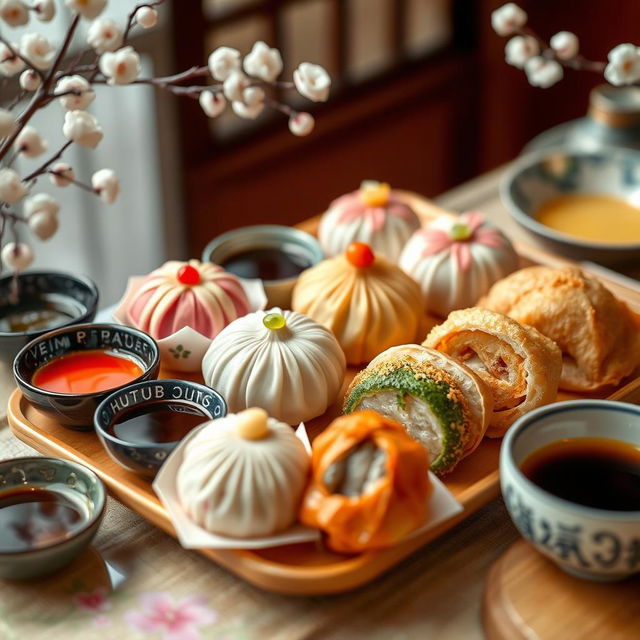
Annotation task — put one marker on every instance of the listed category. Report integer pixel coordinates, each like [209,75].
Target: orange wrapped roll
[369,484]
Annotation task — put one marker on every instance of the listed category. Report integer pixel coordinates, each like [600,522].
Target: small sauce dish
[50,510]
[65,373]
[141,425]
[33,303]
[589,528]
[276,254]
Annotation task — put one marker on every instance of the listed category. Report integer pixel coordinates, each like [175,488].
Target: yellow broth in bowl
[594,217]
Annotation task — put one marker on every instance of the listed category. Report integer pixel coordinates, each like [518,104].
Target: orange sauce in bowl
[594,217]
[86,372]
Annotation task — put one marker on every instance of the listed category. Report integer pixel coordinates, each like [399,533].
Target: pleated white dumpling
[282,361]
[243,475]
[373,214]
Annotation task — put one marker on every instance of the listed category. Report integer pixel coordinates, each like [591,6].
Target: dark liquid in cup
[267,264]
[155,423]
[594,472]
[31,518]
[31,318]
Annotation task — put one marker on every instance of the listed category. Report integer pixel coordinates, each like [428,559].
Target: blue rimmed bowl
[539,176]
[592,543]
[77,483]
[76,410]
[179,396]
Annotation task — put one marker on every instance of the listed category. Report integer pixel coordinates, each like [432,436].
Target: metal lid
[617,107]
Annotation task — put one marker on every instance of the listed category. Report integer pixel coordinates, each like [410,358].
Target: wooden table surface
[138,582]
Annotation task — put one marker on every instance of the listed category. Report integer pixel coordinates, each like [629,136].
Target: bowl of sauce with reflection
[50,510]
[140,425]
[33,303]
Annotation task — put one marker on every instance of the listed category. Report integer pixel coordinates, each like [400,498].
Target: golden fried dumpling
[596,332]
[519,364]
[369,303]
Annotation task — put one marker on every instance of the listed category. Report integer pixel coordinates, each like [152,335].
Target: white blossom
[12,189]
[104,35]
[89,9]
[234,86]
[147,17]
[223,61]
[10,63]
[263,62]
[624,65]
[543,73]
[62,174]
[30,80]
[250,112]
[45,10]
[14,12]
[7,123]
[16,256]
[213,104]
[519,49]
[30,143]
[43,225]
[121,67]
[41,202]
[37,50]
[508,19]
[253,96]
[312,81]
[301,124]
[565,44]
[80,86]
[41,211]
[106,185]
[83,128]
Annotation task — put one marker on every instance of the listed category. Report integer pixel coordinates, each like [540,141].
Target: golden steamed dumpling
[369,303]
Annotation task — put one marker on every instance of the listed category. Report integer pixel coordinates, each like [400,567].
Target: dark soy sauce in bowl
[268,263]
[156,423]
[595,472]
[32,518]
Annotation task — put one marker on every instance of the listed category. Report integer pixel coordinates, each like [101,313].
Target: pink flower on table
[95,601]
[469,228]
[159,613]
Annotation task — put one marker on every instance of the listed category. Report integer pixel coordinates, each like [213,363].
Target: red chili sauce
[86,372]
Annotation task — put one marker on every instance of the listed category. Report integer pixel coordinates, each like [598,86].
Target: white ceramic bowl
[541,175]
[597,544]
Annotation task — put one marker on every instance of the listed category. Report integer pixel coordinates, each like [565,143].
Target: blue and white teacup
[593,543]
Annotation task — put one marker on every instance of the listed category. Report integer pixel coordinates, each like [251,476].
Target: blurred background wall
[422,98]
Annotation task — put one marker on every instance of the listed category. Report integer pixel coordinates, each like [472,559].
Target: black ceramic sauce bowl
[178,396]
[71,479]
[76,410]
[73,298]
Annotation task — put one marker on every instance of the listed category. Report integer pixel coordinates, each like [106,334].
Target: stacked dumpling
[193,294]
[243,475]
[369,303]
[373,214]
[279,360]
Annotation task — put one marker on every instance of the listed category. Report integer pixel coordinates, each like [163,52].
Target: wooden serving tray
[302,569]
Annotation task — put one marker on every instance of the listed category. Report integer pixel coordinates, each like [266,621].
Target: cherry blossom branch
[43,168]
[131,19]
[544,62]
[16,54]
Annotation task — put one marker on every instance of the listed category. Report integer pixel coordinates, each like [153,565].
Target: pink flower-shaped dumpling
[193,294]
[456,261]
[373,214]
